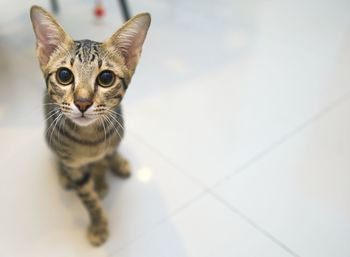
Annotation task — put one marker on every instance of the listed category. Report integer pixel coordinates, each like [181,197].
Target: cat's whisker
[47,130]
[115,116]
[54,109]
[57,121]
[111,111]
[62,126]
[116,120]
[110,115]
[104,129]
[115,128]
[49,103]
[52,113]
[109,123]
[116,113]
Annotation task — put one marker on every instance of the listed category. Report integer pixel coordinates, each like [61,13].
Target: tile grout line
[160,221]
[291,134]
[258,156]
[204,190]
[253,224]
[168,160]
[344,98]
[208,190]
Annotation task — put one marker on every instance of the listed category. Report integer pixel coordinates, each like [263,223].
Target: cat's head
[87,79]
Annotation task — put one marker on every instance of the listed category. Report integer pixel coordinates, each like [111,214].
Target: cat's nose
[83,103]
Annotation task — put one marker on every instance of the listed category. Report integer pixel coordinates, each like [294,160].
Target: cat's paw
[98,234]
[120,166]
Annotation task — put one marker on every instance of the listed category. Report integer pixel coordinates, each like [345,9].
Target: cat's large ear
[49,34]
[128,40]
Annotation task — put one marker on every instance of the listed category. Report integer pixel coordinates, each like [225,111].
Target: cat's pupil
[106,78]
[64,76]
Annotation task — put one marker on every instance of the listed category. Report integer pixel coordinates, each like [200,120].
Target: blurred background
[237,128]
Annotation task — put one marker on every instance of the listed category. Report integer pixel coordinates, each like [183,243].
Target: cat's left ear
[49,34]
[128,40]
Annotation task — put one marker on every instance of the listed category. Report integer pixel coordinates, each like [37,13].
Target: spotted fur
[85,139]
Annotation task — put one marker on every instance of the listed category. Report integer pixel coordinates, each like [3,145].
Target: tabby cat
[85,83]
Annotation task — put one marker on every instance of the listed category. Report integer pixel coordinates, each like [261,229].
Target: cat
[85,84]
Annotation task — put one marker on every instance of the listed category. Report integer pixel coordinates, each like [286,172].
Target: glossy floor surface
[237,128]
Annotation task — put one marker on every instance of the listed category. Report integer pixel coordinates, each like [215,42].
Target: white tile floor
[238,129]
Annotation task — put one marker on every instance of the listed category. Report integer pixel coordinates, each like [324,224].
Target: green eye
[64,76]
[106,78]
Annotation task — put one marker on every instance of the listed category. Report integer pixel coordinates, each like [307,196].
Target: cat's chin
[83,121]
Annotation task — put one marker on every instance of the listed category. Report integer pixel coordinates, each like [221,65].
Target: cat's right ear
[49,34]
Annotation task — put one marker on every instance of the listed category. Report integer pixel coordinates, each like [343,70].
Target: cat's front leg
[98,170]
[119,165]
[63,177]
[98,229]
[84,186]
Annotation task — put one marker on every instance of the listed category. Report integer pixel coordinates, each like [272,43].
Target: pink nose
[83,103]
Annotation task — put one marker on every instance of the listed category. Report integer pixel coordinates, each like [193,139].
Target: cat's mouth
[83,120]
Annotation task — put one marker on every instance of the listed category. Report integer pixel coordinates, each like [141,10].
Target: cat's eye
[106,78]
[64,76]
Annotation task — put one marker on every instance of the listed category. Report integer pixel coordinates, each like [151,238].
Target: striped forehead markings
[87,51]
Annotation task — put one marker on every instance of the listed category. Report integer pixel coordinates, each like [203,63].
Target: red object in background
[99,11]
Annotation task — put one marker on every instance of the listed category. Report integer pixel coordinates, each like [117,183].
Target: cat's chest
[79,150]
[83,153]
